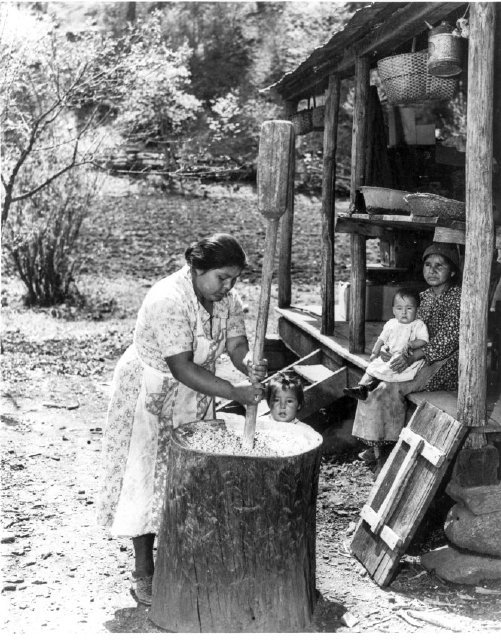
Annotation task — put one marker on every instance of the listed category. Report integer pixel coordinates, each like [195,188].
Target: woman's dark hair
[285,381]
[406,293]
[218,251]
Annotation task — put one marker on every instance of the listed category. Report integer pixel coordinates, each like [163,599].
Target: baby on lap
[400,335]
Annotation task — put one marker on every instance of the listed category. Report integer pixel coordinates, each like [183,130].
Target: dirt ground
[61,573]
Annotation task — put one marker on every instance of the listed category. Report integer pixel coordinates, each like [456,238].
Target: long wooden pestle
[274,173]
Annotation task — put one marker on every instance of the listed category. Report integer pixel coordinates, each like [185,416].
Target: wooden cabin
[394,148]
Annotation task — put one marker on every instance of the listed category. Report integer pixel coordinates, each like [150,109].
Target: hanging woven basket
[406,80]
[302,121]
[317,117]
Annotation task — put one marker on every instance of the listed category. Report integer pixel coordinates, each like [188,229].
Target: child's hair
[406,293]
[285,381]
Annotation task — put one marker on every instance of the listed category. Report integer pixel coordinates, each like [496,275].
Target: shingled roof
[378,30]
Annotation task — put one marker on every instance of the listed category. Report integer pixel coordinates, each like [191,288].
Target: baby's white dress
[395,337]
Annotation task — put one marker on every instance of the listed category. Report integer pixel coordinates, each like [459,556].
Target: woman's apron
[146,405]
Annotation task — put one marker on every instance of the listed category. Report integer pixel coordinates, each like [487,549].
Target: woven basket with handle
[302,121]
[405,79]
[317,117]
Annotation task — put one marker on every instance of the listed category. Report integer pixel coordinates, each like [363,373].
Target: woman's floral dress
[147,401]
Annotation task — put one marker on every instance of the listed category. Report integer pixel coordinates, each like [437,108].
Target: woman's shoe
[368,456]
[141,589]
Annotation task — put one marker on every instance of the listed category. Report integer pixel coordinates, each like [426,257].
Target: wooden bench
[447,402]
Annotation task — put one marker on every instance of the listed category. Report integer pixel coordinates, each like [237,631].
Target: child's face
[284,405]
[404,310]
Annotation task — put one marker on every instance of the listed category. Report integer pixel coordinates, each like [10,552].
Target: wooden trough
[236,549]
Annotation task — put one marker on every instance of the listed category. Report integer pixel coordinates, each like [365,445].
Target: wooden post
[286,228]
[479,245]
[370,137]
[329,202]
[358,258]
[497,109]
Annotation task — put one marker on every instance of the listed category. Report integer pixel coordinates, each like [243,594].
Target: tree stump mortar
[236,548]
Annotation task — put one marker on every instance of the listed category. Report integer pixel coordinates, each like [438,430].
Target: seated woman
[380,419]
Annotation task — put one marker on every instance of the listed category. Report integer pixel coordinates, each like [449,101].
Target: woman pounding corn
[166,378]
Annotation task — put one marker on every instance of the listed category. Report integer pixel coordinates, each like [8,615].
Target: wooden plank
[392,497]
[428,451]
[357,242]
[312,372]
[329,202]
[310,326]
[452,236]
[412,500]
[322,394]
[388,536]
[480,224]
[347,224]
[378,225]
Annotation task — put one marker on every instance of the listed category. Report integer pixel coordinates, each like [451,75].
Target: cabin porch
[300,331]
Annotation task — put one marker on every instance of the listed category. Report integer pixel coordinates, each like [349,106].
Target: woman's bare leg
[143,553]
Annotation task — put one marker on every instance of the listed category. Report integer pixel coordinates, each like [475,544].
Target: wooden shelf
[379,268]
[377,225]
[380,226]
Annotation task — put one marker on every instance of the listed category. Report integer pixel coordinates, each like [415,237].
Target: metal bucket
[444,52]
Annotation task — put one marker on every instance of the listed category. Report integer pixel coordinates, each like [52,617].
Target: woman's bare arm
[199,379]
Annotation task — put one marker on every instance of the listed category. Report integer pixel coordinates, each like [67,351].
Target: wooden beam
[357,242]
[479,219]
[378,226]
[452,236]
[349,225]
[329,202]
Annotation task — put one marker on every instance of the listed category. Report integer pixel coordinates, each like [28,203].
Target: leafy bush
[41,233]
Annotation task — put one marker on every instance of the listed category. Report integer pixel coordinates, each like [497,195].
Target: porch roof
[378,30]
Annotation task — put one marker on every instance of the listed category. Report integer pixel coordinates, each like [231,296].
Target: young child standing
[285,397]
[402,334]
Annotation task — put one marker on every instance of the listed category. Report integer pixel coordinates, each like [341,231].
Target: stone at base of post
[476,467]
[461,568]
